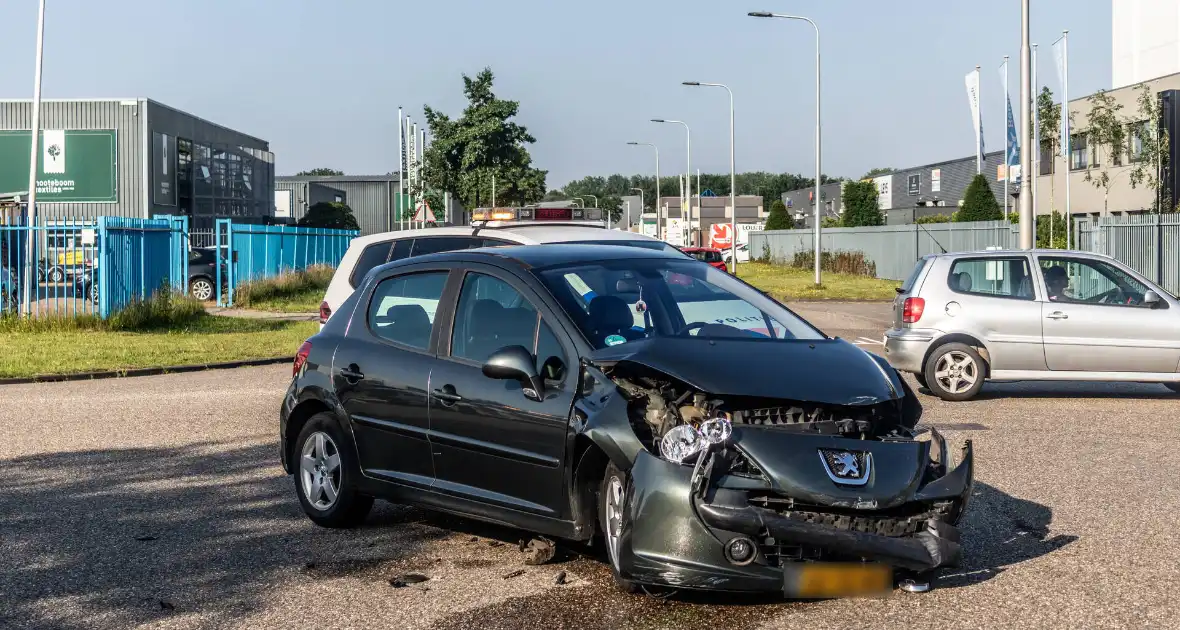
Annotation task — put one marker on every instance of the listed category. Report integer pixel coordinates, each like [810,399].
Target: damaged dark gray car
[707,434]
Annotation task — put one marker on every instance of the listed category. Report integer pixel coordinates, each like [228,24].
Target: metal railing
[60,279]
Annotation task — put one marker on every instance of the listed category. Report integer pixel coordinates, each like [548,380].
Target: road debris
[560,578]
[516,573]
[407,579]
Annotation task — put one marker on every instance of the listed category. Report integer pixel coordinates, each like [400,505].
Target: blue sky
[322,81]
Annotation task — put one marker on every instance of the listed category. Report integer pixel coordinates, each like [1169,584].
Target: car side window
[402,308]
[492,315]
[1008,278]
[1090,281]
[372,256]
[401,249]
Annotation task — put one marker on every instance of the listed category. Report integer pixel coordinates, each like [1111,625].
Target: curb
[153,371]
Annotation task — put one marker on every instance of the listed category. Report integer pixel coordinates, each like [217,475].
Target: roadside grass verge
[291,292]
[162,331]
[790,283]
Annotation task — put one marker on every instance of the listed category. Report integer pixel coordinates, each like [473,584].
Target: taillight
[911,310]
[325,312]
[301,358]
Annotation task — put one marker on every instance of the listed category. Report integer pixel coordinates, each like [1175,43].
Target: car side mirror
[515,363]
[1151,299]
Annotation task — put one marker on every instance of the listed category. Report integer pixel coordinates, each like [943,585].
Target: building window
[1136,136]
[1046,159]
[1079,153]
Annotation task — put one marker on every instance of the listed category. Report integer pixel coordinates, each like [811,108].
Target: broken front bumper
[675,536]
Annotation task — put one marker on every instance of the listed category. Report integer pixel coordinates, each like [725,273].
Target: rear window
[909,282]
[992,277]
[374,255]
[437,244]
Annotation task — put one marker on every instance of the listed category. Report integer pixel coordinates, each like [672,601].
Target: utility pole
[1027,238]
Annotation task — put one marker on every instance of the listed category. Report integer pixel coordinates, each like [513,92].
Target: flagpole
[401,170]
[422,180]
[1007,141]
[1068,139]
[1035,145]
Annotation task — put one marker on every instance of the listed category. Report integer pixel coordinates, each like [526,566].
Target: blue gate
[135,260]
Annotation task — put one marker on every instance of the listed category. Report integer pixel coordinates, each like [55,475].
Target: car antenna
[477,226]
[931,236]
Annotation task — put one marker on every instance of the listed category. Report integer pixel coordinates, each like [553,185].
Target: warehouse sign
[74,165]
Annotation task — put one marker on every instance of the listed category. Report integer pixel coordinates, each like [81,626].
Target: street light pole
[688,172]
[605,222]
[1027,238]
[732,176]
[818,129]
[659,224]
[31,242]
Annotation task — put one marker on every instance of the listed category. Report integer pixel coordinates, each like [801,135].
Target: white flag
[972,81]
[1059,53]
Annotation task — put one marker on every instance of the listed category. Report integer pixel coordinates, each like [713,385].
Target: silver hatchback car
[964,318]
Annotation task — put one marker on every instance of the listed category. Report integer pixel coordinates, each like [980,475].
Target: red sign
[721,238]
[555,214]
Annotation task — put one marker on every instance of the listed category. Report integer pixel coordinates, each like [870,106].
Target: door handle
[352,373]
[446,395]
[1057,315]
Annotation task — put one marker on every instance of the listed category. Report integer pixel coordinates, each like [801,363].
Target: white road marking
[865,340]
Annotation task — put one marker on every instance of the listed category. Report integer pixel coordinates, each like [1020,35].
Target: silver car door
[993,298]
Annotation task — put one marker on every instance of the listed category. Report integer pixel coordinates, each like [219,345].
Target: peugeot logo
[849,468]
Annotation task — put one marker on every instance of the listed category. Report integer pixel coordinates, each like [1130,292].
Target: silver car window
[1008,278]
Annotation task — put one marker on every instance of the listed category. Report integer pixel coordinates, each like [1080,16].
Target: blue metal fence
[99,267]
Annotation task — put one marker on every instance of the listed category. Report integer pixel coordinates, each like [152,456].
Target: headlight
[681,443]
[716,430]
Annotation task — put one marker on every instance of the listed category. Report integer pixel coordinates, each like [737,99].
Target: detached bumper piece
[937,545]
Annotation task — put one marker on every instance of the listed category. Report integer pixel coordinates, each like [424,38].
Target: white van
[367,252]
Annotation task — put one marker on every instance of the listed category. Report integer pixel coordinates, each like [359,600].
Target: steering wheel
[1113,296]
[691,327]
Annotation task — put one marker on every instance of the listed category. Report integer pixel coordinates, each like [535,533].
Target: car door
[381,369]
[1095,319]
[491,443]
[992,298]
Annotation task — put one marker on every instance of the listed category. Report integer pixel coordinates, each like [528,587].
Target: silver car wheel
[614,517]
[956,372]
[319,470]
[202,289]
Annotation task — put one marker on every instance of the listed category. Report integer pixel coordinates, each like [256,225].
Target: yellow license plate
[832,580]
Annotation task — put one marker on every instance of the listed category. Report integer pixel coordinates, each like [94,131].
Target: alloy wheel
[319,470]
[614,517]
[202,289]
[956,372]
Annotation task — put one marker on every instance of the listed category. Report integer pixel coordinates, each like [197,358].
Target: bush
[778,219]
[829,222]
[164,310]
[852,263]
[330,215]
[860,204]
[935,218]
[979,204]
[314,279]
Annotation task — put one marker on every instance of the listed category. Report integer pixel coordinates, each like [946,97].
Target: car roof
[1017,252]
[550,255]
[525,234]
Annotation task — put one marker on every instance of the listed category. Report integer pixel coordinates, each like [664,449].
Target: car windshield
[617,301]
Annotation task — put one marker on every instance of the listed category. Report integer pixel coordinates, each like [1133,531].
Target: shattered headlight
[716,430]
[681,443]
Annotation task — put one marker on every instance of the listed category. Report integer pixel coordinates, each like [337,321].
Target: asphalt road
[158,502]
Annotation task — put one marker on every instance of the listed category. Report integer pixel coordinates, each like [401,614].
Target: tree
[320,172]
[778,218]
[877,172]
[1106,131]
[483,144]
[1149,148]
[860,204]
[1049,117]
[979,203]
[331,215]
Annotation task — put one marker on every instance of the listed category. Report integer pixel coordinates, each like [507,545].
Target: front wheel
[612,502]
[326,475]
[201,288]
[955,372]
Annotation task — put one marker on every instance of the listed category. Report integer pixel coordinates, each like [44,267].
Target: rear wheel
[954,372]
[326,475]
[201,288]
[56,274]
[612,502]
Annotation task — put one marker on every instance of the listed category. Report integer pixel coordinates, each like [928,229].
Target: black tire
[202,289]
[971,369]
[1175,387]
[56,275]
[615,476]
[350,507]
[921,378]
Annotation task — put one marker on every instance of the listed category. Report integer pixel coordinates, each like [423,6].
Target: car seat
[405,323]
[610,315]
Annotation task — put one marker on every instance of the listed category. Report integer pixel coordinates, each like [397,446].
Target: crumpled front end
[792,483]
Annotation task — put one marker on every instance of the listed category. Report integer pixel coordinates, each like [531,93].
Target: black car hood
[825,371]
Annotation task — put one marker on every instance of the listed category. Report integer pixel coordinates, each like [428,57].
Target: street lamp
[605,223]
[818,136]
[732,174]
[659,223]
[34,136]
[688,164]
[642,207]
[579,199]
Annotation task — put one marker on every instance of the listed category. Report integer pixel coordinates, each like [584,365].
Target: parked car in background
[707,255]
[9,291]
[202,273]
[965,318]
[743,253]
[367,252]
[515,385]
